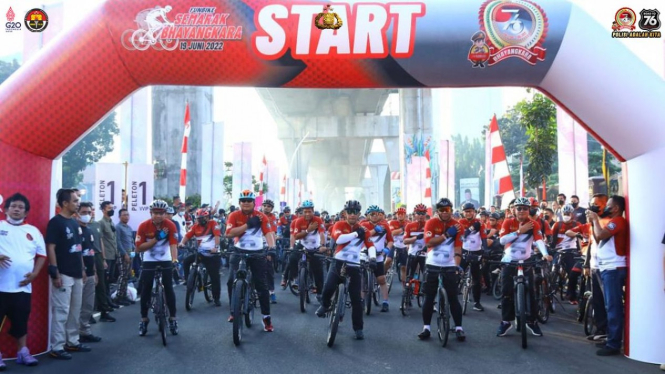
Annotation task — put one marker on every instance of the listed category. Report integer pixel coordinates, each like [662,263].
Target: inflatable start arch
[551,45]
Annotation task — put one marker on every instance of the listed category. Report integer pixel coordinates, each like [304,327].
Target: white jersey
[472,242]
[442,255]
[23,244]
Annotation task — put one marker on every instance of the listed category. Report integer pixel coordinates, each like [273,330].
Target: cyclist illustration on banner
[151,23]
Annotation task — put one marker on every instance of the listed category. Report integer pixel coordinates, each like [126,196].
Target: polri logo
[625,19]
[12,26]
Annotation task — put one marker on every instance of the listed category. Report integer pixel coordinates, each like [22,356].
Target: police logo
[612,226]
[649,20]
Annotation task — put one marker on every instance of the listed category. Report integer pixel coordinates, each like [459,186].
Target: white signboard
[109,182]
[140,190]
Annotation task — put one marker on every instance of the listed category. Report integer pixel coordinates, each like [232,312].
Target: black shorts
[401,254]
[380,269]
[16,307]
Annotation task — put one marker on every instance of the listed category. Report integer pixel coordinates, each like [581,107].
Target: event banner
[109,183]
[140,189]
[469,191]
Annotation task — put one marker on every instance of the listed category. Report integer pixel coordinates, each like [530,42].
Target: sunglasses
[246,200]
[352,211]
[521,208]
[445,209]
[421,213]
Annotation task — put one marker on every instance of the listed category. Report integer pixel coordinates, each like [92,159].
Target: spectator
[102,299]
[63,244]
[176,202]
[107,230]
[548,216]
[579,212]
[612,265]
[561,202]
[88,252]
[125,241]
[21,261]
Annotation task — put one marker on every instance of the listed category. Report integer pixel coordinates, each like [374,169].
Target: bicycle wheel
[389,278]
[465,292]
[236,310]
[303,288]
[521,310]
[294,291]
[207,286]
[369,291]
[191,290]
[139,41]
[250,302]
[161,313]
[543,300]
[589,323]
[337,308]
[443,317]
[497,291]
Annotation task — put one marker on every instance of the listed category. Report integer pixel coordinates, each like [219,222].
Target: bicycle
[198,280]
[244,297]
[305,283]
[158,302]
[370,287]
[339,303]
[466,282]
[520,289]
[443,308]
[543,294]
[411,289]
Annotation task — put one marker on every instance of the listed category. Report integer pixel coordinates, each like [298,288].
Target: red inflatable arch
[551,45]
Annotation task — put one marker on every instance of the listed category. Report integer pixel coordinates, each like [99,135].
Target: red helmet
[534,202]
[420,208]
[400,210]
[202,213]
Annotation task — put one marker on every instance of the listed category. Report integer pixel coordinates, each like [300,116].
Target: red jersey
[349,251]
[398,225]
[312,240]
[520,248]
[443,254]
[273,221]
[412,229]
[162,250]
[561,240]
[251,239]
[205,235]
[380,241]
[472,240]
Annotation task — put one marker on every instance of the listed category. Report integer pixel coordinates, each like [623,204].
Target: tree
[596,159]
[228,181]
[538,117]
[89,150]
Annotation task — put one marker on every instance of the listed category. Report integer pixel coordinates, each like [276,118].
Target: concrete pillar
[415,138]
[135,125]
[242,169]
[168,112]
[212,163]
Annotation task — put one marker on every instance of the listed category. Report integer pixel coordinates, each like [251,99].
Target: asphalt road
[298,343]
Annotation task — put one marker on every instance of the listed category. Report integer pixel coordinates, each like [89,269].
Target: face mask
[595,209]
[606,212]
[547,218]
[566,218]
[85,219]
[110,213]
[533,212]
[15,221]
[560,202]
[181,214]
[575,204]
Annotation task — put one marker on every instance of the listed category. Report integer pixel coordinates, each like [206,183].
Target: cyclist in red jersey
[266,208]
[397,227]
[351,238]
[308,230]
[382,238]
[474,242]
[568,248]
[414,236]
[518,236]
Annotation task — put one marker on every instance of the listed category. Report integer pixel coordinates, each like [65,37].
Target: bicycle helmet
[567,209]
[444,202]
[325,212]
[170,210]
[307,204]
[522,201]
[484,213]
[287,209]
[202,213]
[401,210]
[372,209]
[159,205]
[269,203]
[247,194]
[317,214]
[420,208]
[467,206]
[352,205]
[534,202]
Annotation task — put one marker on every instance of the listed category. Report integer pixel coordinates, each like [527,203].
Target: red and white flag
[264,167]
[183,151]
[502,183]
[428,179]
[521,176]
[282,190]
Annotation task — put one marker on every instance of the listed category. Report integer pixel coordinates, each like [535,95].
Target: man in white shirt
[22,256]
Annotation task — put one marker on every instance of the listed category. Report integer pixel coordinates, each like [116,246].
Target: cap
[478,36]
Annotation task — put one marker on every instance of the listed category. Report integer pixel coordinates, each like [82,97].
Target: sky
[246,116]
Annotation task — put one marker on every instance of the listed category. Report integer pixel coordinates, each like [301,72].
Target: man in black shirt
[63,245]
[84,217]
[579,214]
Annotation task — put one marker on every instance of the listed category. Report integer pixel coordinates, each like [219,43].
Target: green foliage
[7,69]
[596,159]
[194,199]
[89,150]
[469,162]
[228,182]
[538,118]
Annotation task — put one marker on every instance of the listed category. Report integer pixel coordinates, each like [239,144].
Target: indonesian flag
[503,184]
[183,152]
[264,167]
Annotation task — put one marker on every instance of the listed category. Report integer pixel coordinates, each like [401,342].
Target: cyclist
[248,227]
[292,244]
[156,238]
[268,205]
[154,24]
[535,214]
[568,248]
[444,254]
[415,237]
[309,231]
[351,238]
[207,234]
[397,227]
[474,242]
[518,234]
[381,236]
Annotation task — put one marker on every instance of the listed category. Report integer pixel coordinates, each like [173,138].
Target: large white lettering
[370,21]
[404,32]
[274,43]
